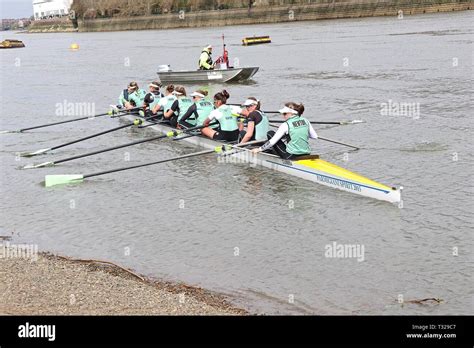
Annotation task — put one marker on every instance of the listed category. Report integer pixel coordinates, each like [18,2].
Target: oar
[338,142]
[325,122]
[331,141]
[42,151]
[154,123]
[167,135]
[54,180]
[109,113]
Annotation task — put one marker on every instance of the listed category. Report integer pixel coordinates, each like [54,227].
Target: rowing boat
[217,75]
[311,168]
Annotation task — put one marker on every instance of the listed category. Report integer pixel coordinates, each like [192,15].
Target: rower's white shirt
[163,101]
[217,114]
[283,130]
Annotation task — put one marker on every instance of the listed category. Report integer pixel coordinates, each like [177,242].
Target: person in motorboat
[205,60]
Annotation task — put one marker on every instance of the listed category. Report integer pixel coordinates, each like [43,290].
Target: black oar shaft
[175,133]
[109,149]
[338,142]
[91,136]
[150,164]
[61,122]
[73,120]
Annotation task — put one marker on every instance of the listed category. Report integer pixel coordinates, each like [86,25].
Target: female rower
[197,112]
[132,97]
[165,103]
[228,127]
[152,98]
[297,130]
[124,98]
[179,106]
[257,122]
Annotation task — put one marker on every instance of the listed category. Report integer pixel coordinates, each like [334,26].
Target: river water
[257,236]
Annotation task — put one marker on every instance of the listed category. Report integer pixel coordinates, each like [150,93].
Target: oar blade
[35,153]
[353,122]
[9,132]
[55,180]
[41,165]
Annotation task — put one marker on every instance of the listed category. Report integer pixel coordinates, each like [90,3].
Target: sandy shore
[55,285]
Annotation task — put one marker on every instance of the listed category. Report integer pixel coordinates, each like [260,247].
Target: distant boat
[216,75]
[8,43]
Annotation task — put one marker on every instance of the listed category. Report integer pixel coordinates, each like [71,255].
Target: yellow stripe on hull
[334,170]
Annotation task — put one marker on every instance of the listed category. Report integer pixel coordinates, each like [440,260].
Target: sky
[16,8]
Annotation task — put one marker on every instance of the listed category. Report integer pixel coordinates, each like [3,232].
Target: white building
[51,8]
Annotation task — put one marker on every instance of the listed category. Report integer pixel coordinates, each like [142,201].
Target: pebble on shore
[57,286]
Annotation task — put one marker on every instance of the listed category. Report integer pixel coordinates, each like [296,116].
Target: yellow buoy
[256,40]
[74,46]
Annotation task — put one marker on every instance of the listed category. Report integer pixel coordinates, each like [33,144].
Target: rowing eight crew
[220,120]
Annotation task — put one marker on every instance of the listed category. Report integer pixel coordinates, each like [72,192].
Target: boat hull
[220,76]
[313,169]
[11,44]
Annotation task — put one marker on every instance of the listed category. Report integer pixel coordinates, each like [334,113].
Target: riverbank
[58,25]
[261,14]
[56,285]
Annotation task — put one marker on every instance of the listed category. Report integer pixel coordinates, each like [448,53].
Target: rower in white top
[297,130]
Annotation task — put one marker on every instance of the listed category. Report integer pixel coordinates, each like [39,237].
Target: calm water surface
[255,235]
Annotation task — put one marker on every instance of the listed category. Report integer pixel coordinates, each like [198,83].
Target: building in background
[43,9]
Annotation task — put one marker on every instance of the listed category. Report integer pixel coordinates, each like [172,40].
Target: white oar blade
[344,123]
[9,132]
[33,166]
[55,180]
[31,154]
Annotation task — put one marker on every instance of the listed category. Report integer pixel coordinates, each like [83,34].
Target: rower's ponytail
[180,89]
[222,96]
[258,103]
[225,94]
[299,108]
[170,89]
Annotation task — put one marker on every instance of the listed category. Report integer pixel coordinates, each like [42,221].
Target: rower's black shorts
[226,135]
[280,149]
[174,121]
